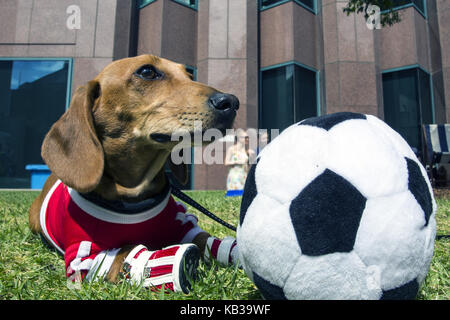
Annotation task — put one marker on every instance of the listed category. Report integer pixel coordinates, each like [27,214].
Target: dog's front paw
[225,251]
[170,268]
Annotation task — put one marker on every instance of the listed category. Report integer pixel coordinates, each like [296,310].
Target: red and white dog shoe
[171,267]
[225,251]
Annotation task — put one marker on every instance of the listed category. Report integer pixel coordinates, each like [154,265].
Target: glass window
[269,3]
[33,95]
[305,93]
[288,95]
[143,3]
[408,103]
[192,71]
[419,4]
[308,3]
[277,98]
[426,106]
[189,3]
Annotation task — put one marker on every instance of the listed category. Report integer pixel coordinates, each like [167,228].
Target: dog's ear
[71,148]
[179,171]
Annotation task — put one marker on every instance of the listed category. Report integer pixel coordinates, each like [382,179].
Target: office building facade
[284,60]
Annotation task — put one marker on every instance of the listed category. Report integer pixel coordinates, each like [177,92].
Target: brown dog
[112,143]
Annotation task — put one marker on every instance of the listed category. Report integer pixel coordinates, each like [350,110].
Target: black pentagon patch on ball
[407,291]
[268,290]
[330,120]
[326,215]
[419,188]
[249,194]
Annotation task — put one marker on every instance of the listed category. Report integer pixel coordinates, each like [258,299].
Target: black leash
[184,197]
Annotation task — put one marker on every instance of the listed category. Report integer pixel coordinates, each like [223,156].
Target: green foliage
[29,270]
[360,6]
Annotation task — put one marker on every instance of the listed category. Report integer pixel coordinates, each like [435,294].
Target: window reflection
[289,95]
[408,103]
[32,97]
[267,3]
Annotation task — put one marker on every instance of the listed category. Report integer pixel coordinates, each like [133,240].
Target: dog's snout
[223,101]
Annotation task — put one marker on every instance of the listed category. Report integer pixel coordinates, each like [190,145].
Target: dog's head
[116,135]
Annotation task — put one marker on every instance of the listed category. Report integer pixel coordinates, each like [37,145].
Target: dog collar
[123,207]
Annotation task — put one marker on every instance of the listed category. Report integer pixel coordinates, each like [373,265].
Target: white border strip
[115,217]
[43,216]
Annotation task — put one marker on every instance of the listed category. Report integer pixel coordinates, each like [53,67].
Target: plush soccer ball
[337,207]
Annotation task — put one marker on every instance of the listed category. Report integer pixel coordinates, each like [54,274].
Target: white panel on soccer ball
[365,159]
[268,237]
[387,133]
[428,249]
[336,276]
[400,144]
[391,236]
[284,164]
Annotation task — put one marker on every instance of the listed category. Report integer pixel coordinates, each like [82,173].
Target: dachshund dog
[107,205]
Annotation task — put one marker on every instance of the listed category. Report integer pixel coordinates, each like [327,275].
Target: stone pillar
[227,61]
[443,14]
[168,29]
[352,81]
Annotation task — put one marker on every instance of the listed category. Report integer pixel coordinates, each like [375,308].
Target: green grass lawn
[28,270]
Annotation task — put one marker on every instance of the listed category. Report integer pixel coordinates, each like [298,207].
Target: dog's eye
[148,72]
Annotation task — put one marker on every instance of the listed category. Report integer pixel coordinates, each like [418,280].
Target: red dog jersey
[90,235]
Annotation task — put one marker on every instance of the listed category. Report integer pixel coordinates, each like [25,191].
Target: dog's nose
[223,101]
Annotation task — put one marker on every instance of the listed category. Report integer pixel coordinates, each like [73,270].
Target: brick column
[227,60]
[351,77]
[443,12]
